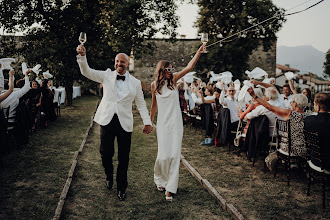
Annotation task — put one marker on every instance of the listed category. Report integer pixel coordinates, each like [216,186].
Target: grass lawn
[90,199]
[33,176]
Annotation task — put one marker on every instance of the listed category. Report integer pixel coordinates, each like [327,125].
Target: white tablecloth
[76,92]
[60,91]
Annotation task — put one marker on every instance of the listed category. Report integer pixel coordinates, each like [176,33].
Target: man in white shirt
[286,96]
[12,100]
[114,114]
[230,103]
[271,96]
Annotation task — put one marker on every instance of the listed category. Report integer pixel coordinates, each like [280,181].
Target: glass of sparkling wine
[204,39]
[82,37]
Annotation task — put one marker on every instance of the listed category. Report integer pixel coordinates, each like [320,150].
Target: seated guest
[307,92]
[320,123]
[271,96]
[12,100]
[5,94]
[296,117]
[230,103]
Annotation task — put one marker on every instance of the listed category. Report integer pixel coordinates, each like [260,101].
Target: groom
[114,114]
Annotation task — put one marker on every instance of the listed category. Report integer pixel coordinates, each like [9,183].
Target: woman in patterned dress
[296,116]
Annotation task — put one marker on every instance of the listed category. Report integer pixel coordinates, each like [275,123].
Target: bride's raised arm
[190,65]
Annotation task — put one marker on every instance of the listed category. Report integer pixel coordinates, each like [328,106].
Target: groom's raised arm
[95,75]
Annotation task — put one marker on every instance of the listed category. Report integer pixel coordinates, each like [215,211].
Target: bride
[165,96]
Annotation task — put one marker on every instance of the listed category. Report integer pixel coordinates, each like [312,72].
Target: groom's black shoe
[109,184]
[121,195]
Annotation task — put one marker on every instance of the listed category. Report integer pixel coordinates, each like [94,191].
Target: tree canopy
[223,18]
[52,28]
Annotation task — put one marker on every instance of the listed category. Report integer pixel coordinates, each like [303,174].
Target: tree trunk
[68,91]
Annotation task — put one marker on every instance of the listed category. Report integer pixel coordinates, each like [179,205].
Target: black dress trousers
[108,134]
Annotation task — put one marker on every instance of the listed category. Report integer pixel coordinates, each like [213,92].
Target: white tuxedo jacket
[110,104]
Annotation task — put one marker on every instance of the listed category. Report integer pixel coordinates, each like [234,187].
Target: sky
[311,27]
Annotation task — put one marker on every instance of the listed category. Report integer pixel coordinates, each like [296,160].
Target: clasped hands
[147,129]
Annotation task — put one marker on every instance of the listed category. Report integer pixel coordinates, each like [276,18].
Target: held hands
[147,129]
[81,50]
[254,82]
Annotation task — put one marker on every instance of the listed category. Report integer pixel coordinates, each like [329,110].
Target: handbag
[271,160]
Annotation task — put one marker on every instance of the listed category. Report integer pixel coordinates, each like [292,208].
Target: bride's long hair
[161,78]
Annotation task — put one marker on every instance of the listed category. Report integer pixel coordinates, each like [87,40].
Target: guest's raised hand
[27,72]
[251,92]
[81,50]
[11,73]
[254,82]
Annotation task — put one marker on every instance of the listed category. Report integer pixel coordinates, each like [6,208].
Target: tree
[326,65]
[223,18]
[52,28]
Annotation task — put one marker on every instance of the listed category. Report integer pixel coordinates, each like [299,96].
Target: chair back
[6,112]
[313,148]
[284,134]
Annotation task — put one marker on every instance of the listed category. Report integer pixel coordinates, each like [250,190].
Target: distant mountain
[304,58]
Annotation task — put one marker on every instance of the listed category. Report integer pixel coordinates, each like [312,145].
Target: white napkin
[36,69]
[290,75]
[256,73]
[47,75]
[5,63]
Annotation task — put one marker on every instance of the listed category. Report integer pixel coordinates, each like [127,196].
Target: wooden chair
[284,138]
[316,162]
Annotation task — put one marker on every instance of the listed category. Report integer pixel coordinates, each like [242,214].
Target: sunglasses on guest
[169,69]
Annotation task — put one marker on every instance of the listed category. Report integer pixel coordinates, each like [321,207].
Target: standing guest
[114,114]
[230,103]
[34,102]
[47,108]
[12,100]
[320,123]
[286,96]
[169,124]
[296,117]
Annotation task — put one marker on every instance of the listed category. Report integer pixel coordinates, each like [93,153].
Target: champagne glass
[82,37]
[204,39]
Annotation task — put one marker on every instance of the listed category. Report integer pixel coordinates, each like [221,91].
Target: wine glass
[82,37]
[204,39]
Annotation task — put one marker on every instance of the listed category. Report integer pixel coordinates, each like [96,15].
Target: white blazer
[110,104]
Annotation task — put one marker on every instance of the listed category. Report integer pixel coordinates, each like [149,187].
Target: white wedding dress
[169,137]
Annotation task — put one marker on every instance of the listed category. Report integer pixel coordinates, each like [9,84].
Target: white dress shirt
[122,86]
[231,105]
[286,101]
[12,100]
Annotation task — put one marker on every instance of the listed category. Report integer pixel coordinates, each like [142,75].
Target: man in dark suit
[321,123]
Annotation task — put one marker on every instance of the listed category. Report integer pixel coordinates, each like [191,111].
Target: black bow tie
[120,77]
[285,98]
